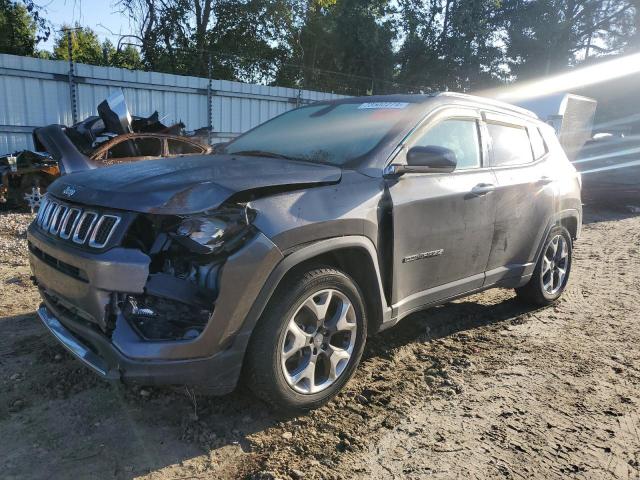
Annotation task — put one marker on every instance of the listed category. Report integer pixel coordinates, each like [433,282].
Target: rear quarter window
[538,145]
[510,145]
[178,147]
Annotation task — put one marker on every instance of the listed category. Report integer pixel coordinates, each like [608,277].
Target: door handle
[545,180]
[483,189]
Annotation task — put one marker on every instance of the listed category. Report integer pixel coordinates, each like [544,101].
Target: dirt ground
[479,388]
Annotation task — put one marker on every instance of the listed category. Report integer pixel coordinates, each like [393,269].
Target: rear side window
[136,147]
[176,147]
[537,143]
[459,135]
[510,145]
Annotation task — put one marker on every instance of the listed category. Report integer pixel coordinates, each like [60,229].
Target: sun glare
[580,77]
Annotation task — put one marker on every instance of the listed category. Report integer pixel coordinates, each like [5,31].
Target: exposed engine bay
[187,257]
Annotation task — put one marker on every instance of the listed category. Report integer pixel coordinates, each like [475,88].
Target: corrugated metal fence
[35,92]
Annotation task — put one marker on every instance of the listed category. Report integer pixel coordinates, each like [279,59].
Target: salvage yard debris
[113,136]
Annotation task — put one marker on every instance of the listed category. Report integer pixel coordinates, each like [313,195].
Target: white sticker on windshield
[377,105]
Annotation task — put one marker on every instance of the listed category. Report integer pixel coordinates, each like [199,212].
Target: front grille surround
[86,228]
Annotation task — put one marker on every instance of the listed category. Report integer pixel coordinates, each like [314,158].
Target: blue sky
[100,15]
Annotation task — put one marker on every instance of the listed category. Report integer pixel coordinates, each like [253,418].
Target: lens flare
[570,81]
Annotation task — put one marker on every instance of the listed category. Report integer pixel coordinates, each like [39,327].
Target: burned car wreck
[113,136]
[23,174]
[274,259]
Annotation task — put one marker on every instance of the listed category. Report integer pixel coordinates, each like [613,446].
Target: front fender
[296,257]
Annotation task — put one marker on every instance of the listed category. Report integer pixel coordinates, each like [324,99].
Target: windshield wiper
[262,153]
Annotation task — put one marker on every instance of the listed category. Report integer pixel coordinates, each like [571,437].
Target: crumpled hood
[185,185]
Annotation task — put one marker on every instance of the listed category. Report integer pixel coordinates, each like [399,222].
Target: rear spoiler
[53,140]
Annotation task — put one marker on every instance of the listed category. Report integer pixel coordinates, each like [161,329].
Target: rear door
[442,222]
[524,197]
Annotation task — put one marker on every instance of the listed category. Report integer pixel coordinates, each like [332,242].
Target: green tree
[127,56]
[87,48]
[450,44]
[241,36]
[17,29]
[546,36]
[344,46]
[85,45]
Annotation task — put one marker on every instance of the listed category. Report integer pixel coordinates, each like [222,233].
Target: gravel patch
[482,387]
[13,238]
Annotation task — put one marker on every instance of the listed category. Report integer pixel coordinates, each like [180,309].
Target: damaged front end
[150,298]
[158,272]
[187,255]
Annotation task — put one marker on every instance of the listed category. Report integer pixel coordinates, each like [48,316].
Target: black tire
[534,292]
[263,369]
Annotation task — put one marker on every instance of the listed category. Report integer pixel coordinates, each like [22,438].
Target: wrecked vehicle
[114,136]
[23,174]
[610,168]
[276,258]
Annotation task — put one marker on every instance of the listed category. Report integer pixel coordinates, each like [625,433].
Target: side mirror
[429,159]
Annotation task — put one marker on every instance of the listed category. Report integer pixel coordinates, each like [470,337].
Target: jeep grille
[83,227]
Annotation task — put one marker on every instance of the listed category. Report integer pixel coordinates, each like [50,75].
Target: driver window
[459,135]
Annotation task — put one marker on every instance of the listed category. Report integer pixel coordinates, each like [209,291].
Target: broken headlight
[204,234]
[223,230]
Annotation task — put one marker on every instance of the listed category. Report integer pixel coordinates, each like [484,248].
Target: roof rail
[490,102]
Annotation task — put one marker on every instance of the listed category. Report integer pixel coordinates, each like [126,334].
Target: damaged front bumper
[218,373]
[76,288]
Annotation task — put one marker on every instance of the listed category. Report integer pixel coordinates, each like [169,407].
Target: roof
[490,102]
[423,98]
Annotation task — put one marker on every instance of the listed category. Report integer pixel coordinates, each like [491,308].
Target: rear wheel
[551,273]
[308,342]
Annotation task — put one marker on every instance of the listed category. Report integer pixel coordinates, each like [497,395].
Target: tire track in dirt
[482,387]
[541,394]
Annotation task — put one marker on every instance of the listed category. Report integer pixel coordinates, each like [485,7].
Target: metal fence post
[72,81]
[209,102]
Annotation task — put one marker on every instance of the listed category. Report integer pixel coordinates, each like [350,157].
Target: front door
[442,222]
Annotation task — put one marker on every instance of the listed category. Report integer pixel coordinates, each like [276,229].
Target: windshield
[334,134]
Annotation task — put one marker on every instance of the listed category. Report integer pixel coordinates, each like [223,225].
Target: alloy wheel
[555,263]
[319,341]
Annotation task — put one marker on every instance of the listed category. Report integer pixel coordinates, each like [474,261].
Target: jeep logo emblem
[69,191]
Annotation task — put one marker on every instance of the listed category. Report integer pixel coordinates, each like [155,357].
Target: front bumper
[74,304]
[218,373]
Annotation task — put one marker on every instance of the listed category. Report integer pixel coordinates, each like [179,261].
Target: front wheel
[308,342]
[551,273]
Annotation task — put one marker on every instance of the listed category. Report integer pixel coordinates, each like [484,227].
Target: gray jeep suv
[275,258]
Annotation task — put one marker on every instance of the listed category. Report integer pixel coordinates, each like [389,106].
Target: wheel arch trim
[305,253]
[556,219]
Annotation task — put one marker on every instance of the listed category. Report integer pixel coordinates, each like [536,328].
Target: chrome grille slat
[43,206]
[98,243]
[83,227]
[65,233]
[58,215]
[45,212]
[90,217]
[49,214]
